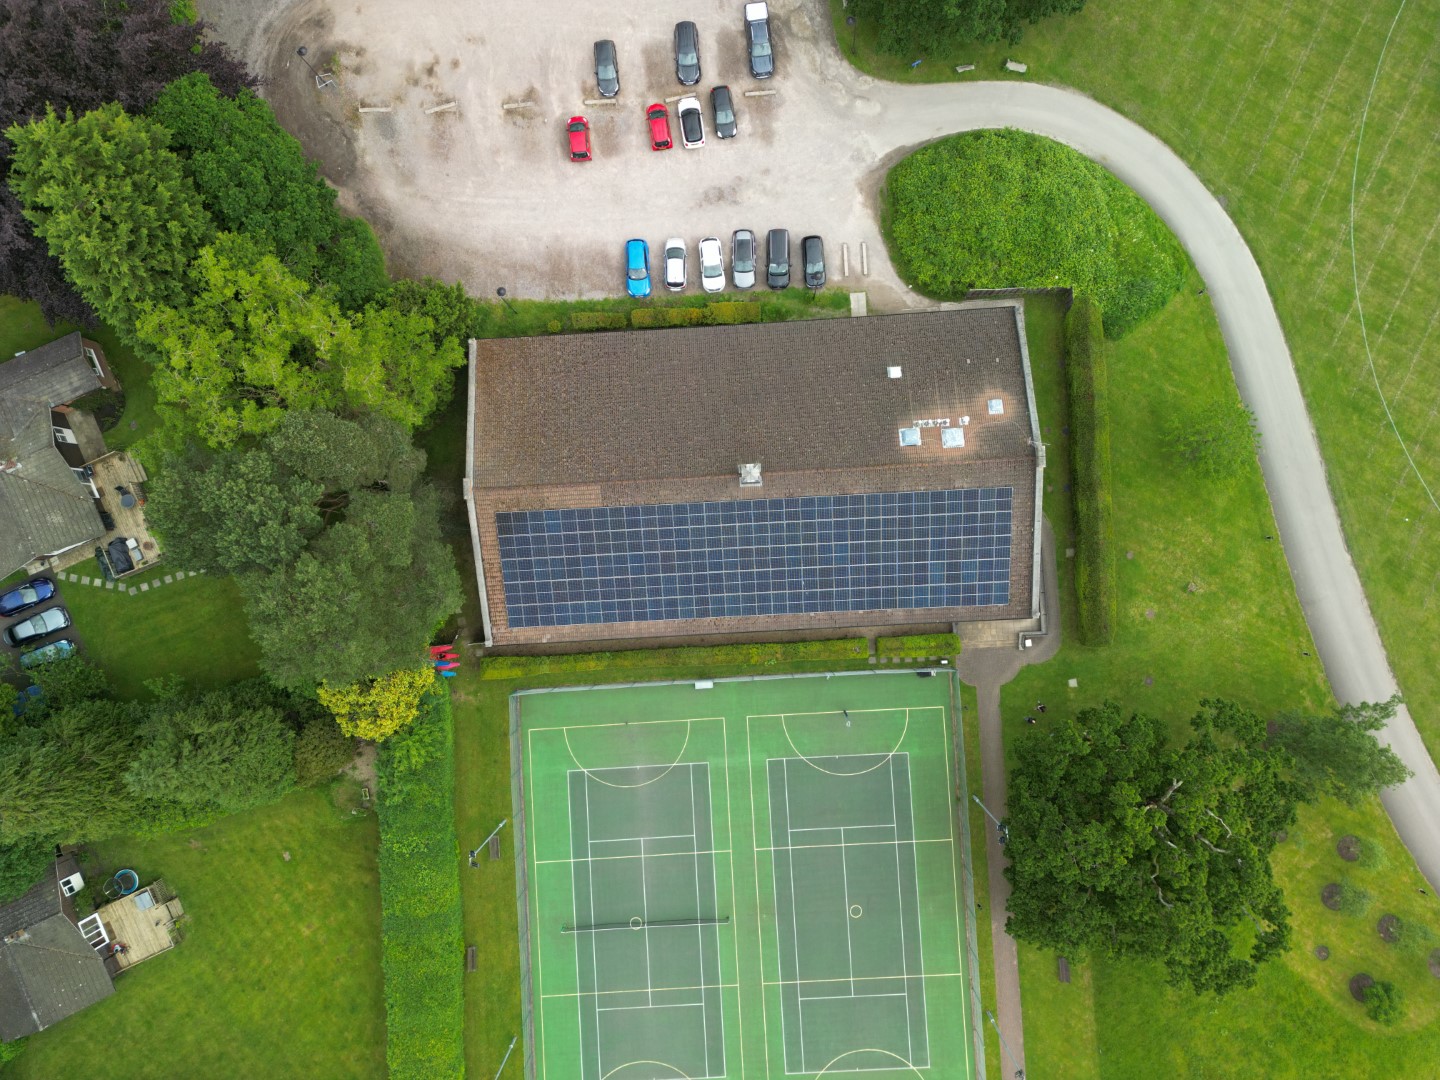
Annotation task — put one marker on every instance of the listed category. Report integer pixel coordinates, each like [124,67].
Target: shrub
[757,655]
[918,645]
[641,318]
[730,312]
[321,751]
[1095,586]
[1218,441]
[1384,1003]
[1412,936]
[1006,209]
[1353,900]
[1372,855]
[377,708]
[421,936]
[599,320]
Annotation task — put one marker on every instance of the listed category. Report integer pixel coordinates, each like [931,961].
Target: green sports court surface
[756,879]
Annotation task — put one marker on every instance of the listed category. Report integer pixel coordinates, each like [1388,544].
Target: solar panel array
[751,557]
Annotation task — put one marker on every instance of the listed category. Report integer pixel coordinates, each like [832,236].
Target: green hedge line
[644,317]
[918,646]
[730,312]
[1090,471]
[599,320]
[757,655]
[422,940]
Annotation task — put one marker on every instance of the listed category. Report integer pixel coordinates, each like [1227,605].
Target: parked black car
[777,259]
[812,254]
[687,53]
[723,106]
[757,31]
[607,71]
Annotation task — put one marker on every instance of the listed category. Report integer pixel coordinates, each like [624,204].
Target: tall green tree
[907,25]
[255,342]
[254,178]
[79,55]
[1127,845]
[114,205]
[1336,753]
[22,863]
[230,749]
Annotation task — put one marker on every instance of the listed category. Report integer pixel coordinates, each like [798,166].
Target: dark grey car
[812,254]
[723,106]
[607,71]
[777,259]
[687,53]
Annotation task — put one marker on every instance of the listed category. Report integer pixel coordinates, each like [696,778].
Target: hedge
[730,312]
[644,317]
[918,646]
[756,655]
[1090,472]
[599,320]
[1006,209]
[421,937]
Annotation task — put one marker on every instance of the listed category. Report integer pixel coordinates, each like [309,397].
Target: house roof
[47,969]
[658,417]
[43,507]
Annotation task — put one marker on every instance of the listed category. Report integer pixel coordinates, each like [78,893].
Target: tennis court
[756,878]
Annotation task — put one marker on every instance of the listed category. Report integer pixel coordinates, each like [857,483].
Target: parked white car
[692,123]
[675,264]
[712,264]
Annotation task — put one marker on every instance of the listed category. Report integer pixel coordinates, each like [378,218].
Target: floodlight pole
[508,1052]
[301,52]
[481,846]
[500,292]
[991,816]
[1019,1072]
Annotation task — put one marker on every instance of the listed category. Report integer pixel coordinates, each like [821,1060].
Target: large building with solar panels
[742,480]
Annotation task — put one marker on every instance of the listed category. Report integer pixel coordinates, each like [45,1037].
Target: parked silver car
[742,259]
[38,626]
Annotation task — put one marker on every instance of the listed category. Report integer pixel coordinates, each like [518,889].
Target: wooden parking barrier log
[472,957]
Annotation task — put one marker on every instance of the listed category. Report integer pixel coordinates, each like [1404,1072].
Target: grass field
[278,974]
[792,808]
[1266,103]
[1238,634]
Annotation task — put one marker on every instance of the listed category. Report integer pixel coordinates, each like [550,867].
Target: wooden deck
[143,922]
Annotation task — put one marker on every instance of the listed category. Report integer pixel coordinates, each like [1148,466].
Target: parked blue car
[637,268]
[25,596]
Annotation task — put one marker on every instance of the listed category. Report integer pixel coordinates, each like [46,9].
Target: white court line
[599,993]
[847,997]
[594,952]
[735,937]
[842,828]
[845,888]
[651,855]
[715,900]
[635,839]
[900,899]
[808,982]
[960,939]
[676,1005]
[759,924]
[699,930]
[919,911]
[794,921]
[628,723]
[847,843]
[645,919]
[534,890]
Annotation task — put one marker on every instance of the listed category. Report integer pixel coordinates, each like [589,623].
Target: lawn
[1265,102]
[22,327]
[194,627]
[1206,607]
[278,974]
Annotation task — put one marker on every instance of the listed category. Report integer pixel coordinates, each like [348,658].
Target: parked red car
[659,118]
[579,131]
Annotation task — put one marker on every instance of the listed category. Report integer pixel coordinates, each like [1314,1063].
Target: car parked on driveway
[712,264]
[675,264]
[687,53]
[658,117]
[38,626]
[607,71]
[742,259]
[777,259]
[56,650]
[722,107]
[812,254]
[637,268]
[578,131]
[757,31]
[25,596]
[692,123]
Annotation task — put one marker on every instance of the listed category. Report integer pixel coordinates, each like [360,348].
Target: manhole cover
[1330,896]
[1322,952]
[1348,848]
[1359,984]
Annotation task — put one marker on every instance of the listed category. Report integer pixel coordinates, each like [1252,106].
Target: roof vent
[952,437]
[997,406]
[893,371]
[909,436]
[750,475]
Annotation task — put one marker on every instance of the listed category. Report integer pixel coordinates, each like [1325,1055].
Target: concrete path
[988,669]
